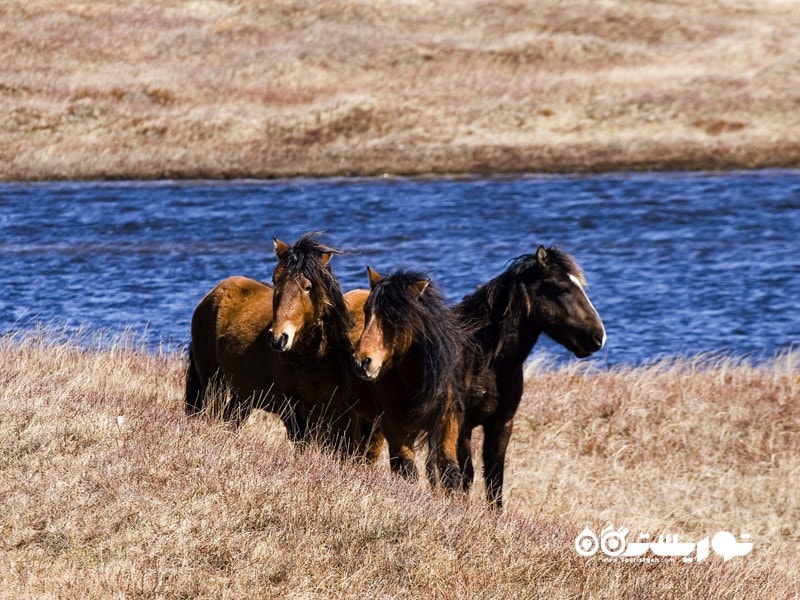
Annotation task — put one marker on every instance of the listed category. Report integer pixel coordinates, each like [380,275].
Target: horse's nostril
[598,339]
[361,365]
[279,343]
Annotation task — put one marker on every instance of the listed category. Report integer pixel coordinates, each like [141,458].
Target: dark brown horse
[312,329]
[410,351]
[538,293]
[234,338]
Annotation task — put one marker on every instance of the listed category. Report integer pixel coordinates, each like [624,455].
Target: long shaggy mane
[425,321]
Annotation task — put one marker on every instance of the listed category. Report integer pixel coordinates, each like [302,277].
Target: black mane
[492,313]
[427,321]
[303,258]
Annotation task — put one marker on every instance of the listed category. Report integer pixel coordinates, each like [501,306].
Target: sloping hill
[155,505]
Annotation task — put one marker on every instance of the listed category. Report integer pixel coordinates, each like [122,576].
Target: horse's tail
[195,390]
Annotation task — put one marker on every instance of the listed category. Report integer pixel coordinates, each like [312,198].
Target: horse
[312,329]
[538,293]
[230,348]
[410,352]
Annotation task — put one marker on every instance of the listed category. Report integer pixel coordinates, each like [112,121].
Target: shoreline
[539,362]
[198,175]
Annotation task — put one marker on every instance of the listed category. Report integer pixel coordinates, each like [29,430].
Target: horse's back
[243,312]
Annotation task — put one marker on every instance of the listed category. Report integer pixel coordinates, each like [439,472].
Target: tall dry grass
[231,88]
[156,505]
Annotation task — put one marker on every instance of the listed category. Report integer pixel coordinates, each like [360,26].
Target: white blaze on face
[290,330]
[577,282]
[376,361]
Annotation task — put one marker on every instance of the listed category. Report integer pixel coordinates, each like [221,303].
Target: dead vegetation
[156,505]
[163,88]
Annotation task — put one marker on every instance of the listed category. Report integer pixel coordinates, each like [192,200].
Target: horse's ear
[374,277]
[419,287]
[325,258]
[280,247]
[542,257]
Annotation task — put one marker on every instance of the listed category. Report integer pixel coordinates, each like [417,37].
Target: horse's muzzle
[278,343]
[362,368]
[591,343]
[599,339]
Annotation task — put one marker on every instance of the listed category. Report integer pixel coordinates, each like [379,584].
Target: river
[678,264]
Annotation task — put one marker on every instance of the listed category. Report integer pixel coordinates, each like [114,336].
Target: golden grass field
[247,88]
[160,506]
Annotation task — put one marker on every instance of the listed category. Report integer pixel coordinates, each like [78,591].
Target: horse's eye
[307,288]
[554,290]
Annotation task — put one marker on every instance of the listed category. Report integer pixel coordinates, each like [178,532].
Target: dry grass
[160,506]
[162,88]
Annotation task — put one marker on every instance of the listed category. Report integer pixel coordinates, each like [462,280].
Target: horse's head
[302,280]
[387,333]
[557,300]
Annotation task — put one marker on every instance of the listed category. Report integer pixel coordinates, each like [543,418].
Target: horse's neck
[324,340]
[518,346]
[407,368]
[493,337]
[315,341]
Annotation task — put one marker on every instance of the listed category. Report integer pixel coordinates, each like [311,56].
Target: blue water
[677,263]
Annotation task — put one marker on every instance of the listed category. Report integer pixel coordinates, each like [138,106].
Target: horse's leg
[430,464]
[449,472]
[465,457]
[495,443]
[195,390]
[402,463]
[401,452]
[236,411]
[296,424]
[371,440]
[348,434]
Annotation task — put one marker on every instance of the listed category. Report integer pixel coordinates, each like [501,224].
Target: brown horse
[312,329]
[410,351]
[230,347]
[538,293]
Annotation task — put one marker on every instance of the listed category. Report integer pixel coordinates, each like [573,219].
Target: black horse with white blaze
[538,293]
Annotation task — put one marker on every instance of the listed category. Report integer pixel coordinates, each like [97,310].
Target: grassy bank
[160,506]
[168,88]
